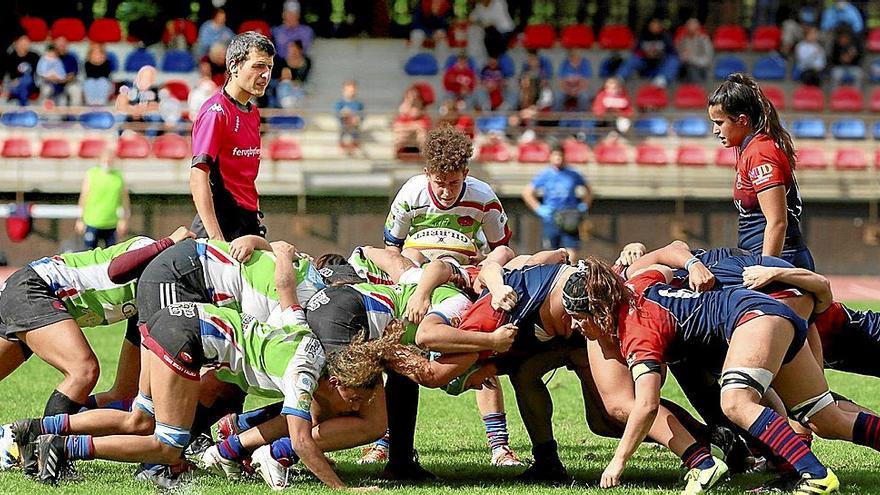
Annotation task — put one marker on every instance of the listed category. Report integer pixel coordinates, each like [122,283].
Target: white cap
[291,6]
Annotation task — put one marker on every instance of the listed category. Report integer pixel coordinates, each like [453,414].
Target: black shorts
[176,275]
[234,222]
[174,336]
[337,316]
[28,303]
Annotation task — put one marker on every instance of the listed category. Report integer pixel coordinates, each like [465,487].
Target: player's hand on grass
[755,277]
[630,253]
[417,307]
[180,234]
[283,249]
[503,337]
[505,299]
[611,475]
[700,278]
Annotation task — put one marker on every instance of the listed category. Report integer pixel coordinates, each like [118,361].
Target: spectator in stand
[654,55]
[612,106]
[21,69]
[293,74]
[491,93]
[350,112]
[140,97]
[541,75]
[809,57]
[451,113]
[430,19]
[695,52]
[51,76]
[534,66]
[412,123]
[842,13]
[846,59]
[291,30]
[213,31]
[216,63]
[97,86]
[104,204]
[200,93]
[530,99]
[72,88]
[460,81]
[793,27]
[491,27]
[574,81]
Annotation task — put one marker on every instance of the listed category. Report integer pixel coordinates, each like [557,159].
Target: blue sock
[774,431]
[80,447]
[697,456]
[249,419]
[385,441]
[58,424]
[282,451]
[120,405]
[230,448]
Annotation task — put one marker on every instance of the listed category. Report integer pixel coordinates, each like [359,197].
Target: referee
[226,144]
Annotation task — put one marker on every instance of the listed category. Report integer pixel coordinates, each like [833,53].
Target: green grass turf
[451,443]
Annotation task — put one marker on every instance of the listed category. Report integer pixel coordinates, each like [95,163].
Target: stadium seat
[691,127]
[690,97]
[578,124]
[91,148]
[770,68]
[105,31]
[23,118]
[811,159]
[611,154]
[725,157]
[874,71]
[850,159]
[766,38]
[874,105]
[257,25]
[35,28]
[113,60]
[138,58]
[873,42]
[876,130]
[577,36]
[808,128]
[16,148]
[490,123]
[808,99]
[539,36]
[575,151]
[606,69]
[730,38]
[775,94]
[171,146]
[651,97]
[135,146]
[534,152]
[616,37]
[97,120]
[545,62]
[450,61]
[178,88]
[70,28]
[692,156]
[183,27]
[55,148]
[849,129]
[847,99]
[426,91]
[651,154]
[494,151]
[282,148]
[651,126]
[727,65]
[178,61]
[286,122]
[507,65]
[421,64]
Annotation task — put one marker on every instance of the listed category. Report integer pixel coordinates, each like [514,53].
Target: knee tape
[172,435]
[145,404]
[806,409]
[758,379]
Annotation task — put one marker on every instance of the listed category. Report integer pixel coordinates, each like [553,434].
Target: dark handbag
[568,220]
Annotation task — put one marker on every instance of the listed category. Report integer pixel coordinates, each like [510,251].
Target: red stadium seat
[105,31]
[539,36]
[850,159]
[651,154]
[577,36]
[171,146]
[534,152]
[179,89]
[575,151]
[257,25]
[184,27]
[612,154]
[692,156]
[725,157]
[811,159]
[494,151]
[775,94]
[730,38]
[651,97]
[690,97]
[91,148]
[16,148]
[873,42]
[766,38]
[35,28]
[284,149]
[808,99]
[875,100]
[616,37]
[55,148]
[69,27]
[847,99]
[135,146]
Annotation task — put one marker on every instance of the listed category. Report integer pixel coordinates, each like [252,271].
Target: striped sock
[866,431]
[775,432]
[282,451]
[80,447]
[230,448]
[697,456]
[807,438]
[58,424]
[496,430]
[249,419]
[385,441]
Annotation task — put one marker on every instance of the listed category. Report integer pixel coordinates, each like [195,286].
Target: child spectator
[430,19]
[293,73]
[612,105]
[97,86]
[350,112]
[809,57]
[460,80]
[695,52]
[846,59]
[213,31]
[654,55]
[21,69]
[291,30]
[490,95]
[537,66]
[412,123]
[574,80]
[51,75]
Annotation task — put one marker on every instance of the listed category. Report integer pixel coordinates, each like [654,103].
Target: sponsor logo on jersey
[247,152]
[59,305]
[761,174]
[129,309]
[186,309]
[236,124]
[185,357]
[215,108]
[305,402]
[465,221]
[740,185]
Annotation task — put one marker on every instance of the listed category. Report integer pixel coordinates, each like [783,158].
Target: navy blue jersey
[850,339]
[532,285]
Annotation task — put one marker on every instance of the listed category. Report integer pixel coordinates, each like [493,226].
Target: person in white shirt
[491,28]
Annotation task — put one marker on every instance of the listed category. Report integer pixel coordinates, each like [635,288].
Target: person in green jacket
[104,204]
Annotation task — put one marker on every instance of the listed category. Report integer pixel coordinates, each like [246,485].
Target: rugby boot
[26,432]
[701,480]
[51,458]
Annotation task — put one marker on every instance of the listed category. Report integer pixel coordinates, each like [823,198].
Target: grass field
[451,443]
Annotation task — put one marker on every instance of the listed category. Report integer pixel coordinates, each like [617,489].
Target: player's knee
[735,404]
[85,372]
[170,442]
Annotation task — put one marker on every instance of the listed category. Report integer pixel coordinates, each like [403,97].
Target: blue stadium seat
[491,123]
[876,130]
[849,129]
[726,65]
[808,128]
[546,66]
[97,120]
[582,124]
[508,66]
[178,61]
[450,61]
[651,126]
[691,127]
[288,122]
[113,59]
[769,68]
[421,64]
[874,71]
[137,59]
[24,118]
